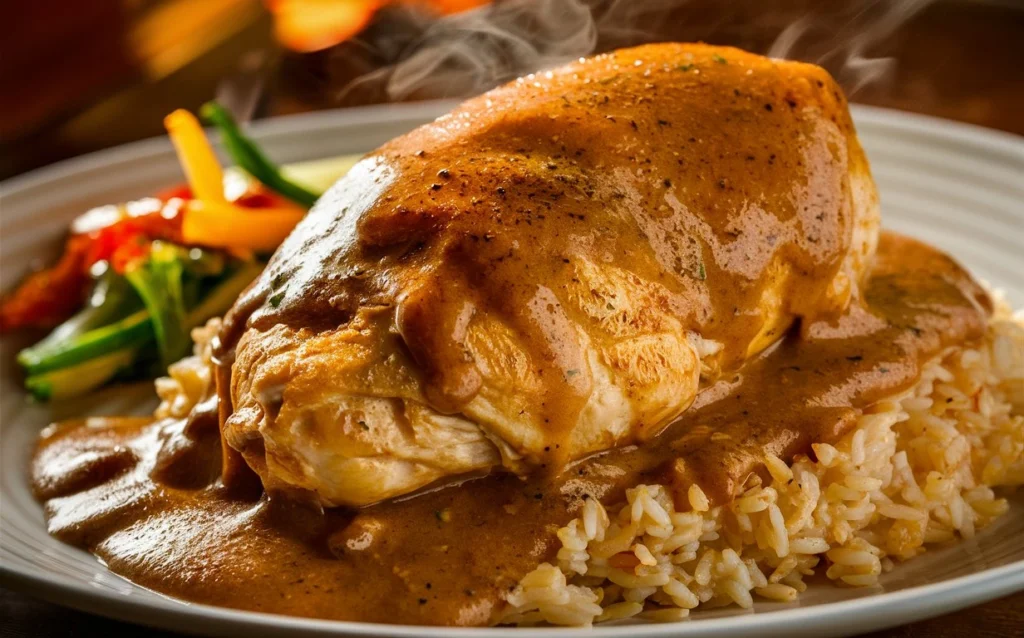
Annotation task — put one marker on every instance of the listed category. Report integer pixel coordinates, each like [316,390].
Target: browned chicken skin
[548,271]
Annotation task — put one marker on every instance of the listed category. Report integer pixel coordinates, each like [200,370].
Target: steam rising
[475,50]
[470,52]
[869,24]
[467,53]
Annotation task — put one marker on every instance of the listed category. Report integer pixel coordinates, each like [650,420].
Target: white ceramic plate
[959,187]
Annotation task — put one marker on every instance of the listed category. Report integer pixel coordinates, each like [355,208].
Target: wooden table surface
[961,60]
[24,617]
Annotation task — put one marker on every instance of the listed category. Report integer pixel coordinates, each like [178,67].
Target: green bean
[247,155]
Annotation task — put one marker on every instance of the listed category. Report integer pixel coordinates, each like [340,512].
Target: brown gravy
[716,180]
[146,497]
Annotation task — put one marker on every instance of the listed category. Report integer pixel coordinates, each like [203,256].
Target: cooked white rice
[190,379]
[915,471]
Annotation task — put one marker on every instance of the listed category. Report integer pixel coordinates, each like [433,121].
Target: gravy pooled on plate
[145,496]
[654,266]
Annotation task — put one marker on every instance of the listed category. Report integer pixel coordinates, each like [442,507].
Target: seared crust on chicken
[548,271]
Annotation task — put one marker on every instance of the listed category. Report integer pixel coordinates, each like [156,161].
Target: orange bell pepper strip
[224,225]
[197,158]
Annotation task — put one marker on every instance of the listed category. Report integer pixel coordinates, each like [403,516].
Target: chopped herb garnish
[572,373]
[702,274]
[719,59]
[275,300]
[684,67]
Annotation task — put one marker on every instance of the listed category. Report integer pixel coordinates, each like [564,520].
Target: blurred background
[81,76]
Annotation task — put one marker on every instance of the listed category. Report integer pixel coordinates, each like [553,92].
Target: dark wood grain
[24,617]
[961,60]
[1002,618]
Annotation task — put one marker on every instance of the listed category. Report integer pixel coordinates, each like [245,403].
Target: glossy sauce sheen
[146,498]
[712,178]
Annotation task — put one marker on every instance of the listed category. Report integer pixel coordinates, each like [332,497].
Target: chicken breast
[549,271]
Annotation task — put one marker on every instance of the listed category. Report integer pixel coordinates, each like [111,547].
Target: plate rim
[280,125]
[886,609]
[984,585]
[353,116]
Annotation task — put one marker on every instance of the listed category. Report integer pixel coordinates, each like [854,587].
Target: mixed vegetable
[135,278]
